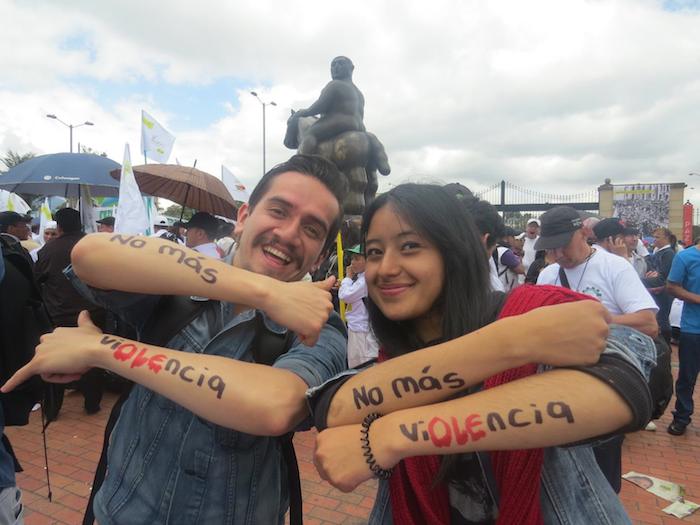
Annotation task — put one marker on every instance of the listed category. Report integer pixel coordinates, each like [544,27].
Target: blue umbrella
[63,174]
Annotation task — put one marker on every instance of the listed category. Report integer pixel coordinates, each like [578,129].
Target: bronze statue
[339,135]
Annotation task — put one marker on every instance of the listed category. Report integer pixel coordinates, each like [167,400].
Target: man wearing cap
[201,234]
[594,271]
[105,225]
[15,229]
[532,233]
[362,346]
[609,278]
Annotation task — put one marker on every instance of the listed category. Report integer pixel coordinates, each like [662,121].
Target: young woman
[428,285]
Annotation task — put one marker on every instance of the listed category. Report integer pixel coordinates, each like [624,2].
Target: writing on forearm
[125,352]
[196,263]
[400,386]
[443,432]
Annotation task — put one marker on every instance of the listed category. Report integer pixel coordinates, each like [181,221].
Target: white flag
[156,141]
[44,218]
[131,212]
[234,186]
[87,210]
[13,202]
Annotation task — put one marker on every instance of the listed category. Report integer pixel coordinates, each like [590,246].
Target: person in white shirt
[609,278]
[362,346]
[529,238]
[201,234]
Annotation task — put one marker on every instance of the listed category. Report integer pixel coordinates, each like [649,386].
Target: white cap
[537,221]
[160,221]
[50,225]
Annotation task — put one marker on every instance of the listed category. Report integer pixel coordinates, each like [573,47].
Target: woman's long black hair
[464,303]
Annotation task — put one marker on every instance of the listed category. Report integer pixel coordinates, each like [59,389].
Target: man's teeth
[277,254]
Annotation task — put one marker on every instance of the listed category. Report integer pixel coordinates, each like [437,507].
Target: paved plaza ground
[75,440]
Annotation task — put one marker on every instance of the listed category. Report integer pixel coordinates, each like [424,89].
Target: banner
[87,210]
[156,141]
[234,186]
[687,224]
[131,212]
[44,217]
[645,205]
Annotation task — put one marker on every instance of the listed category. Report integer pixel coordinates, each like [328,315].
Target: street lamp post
[271,103]
[70,127]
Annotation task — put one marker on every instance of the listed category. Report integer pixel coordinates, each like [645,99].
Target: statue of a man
[340,105]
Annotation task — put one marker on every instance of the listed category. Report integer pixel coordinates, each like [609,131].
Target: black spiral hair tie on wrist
[378,471]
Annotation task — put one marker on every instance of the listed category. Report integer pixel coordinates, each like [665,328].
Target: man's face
[282,237]
[532,230]
[660,239]
[105,228]
[20,230]
[573,253]
[631,241]
[195,237]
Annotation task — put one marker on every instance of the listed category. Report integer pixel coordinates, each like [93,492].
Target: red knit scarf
[417,500]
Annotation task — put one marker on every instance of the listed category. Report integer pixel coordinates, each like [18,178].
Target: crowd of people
[449,378]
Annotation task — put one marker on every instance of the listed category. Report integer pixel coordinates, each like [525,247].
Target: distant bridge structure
[508,197]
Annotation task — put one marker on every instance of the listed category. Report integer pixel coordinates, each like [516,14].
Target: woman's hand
[571,334]
[339,456]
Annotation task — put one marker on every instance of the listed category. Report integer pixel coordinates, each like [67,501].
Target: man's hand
[349,272]
[302,307]
[570,334]
[618,247]
[62,356]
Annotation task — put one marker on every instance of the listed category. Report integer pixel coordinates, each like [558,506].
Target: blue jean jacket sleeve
[133,308]
[319,363]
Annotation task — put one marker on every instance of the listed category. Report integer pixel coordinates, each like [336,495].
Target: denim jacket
[573,489]
[167,465]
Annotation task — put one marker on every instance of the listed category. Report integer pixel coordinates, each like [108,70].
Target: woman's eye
[373,252]
[410,245]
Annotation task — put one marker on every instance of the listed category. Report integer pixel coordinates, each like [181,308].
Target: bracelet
[378,471]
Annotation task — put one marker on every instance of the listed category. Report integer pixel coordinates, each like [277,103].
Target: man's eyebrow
[312,218]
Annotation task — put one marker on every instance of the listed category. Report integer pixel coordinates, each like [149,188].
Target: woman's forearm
[553,408]
[437,373]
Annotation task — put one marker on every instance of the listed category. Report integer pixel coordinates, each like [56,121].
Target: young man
[201,234]
[362,346]
[684,283]
[105,225]
[166,464]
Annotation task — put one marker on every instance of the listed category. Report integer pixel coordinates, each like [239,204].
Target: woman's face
[404,270]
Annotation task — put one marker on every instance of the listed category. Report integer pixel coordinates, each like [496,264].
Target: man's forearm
[156,266]
[248,397]
[644,321]
[535,412]
[681,293]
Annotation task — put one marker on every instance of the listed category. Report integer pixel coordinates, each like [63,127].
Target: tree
[175,210]
[86,149]
[12,158]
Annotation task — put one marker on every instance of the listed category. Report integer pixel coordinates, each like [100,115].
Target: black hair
[464,301]
[486,218]
[318,167]
[68,220]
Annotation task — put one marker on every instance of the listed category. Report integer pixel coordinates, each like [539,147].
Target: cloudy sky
[553,95]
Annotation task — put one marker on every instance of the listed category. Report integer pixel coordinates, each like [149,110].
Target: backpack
[23,320]
[660,379]
[505,274]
